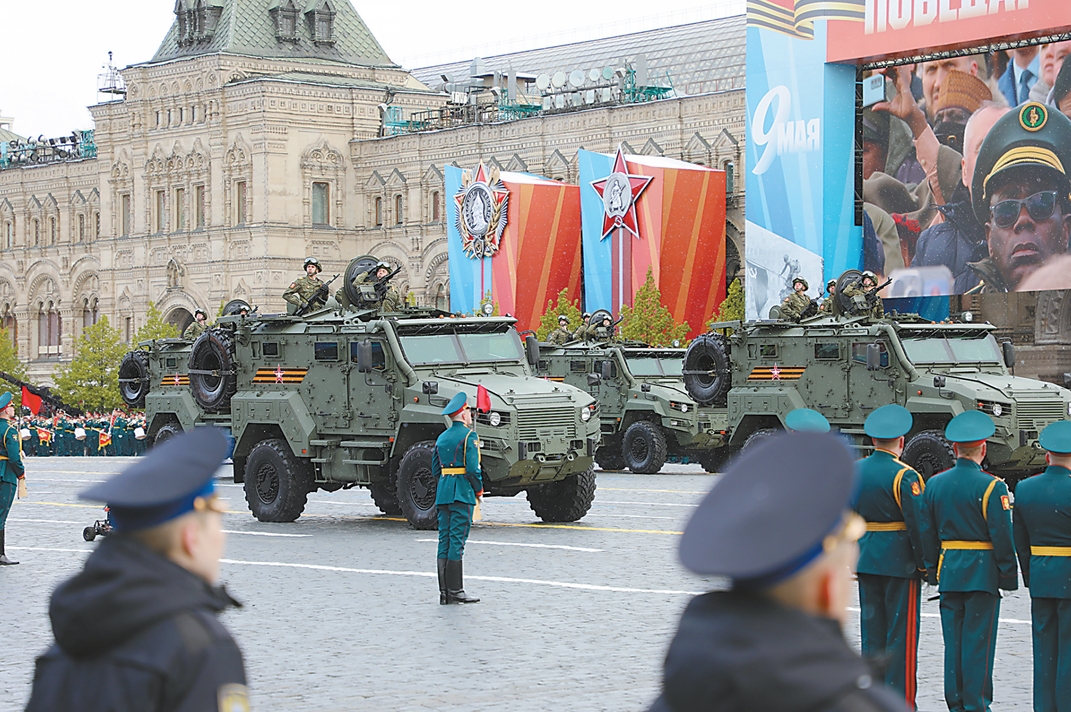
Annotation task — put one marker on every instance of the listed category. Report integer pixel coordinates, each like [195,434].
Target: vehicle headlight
[998,410]
[495,419]
[585,414]
[684,407]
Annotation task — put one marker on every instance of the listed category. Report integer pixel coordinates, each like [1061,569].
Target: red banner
[31,401]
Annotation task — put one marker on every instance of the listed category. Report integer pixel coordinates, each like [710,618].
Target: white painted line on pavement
[627,516]
[532,546]
[46,521]
[938,615]
[237,531]
[650,504]
[34,477]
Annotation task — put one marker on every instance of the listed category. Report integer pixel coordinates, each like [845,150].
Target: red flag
[483,400]
[31,401]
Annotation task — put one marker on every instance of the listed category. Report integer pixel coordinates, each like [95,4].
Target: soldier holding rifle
[306,292]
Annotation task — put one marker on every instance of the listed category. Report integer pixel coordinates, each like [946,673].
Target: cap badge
[1033,116]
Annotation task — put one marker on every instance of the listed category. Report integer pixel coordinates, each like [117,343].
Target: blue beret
[456,403]
[165,483]
[888,422]
[970,426]
[766,517]
[5,399]
[1056,437]
[806,420]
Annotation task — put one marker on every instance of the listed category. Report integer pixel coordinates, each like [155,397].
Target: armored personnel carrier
[336,399]
[846,366]
[647,417]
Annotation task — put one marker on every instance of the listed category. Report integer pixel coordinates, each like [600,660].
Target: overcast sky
[53,50]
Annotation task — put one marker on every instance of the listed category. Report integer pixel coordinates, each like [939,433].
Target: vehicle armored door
[868,390]
[823,385]
[373,394]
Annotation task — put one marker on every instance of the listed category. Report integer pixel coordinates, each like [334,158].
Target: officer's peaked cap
[969,427]
[1056,437]
[806,420]
[5,399]
[456,404]
[888,422]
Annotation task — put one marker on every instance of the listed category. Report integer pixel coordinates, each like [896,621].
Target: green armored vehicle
[647,417]
[337,399]
[844,367]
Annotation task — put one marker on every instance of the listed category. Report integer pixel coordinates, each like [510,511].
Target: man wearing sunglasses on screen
[1022,195]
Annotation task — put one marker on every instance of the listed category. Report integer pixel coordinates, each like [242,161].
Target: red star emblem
[278,374]
[177,379]
[619,192]
[775,373]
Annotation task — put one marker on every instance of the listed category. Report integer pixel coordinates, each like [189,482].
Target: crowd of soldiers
[117,434]
[862,298]
[603,328]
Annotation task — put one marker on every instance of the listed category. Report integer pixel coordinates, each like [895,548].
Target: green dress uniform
[1042,524]
[891,563]
[967,541]
[11,471]
[302,290]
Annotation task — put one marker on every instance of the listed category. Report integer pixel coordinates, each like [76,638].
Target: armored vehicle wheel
[417,487]
[166,432]
[929,453]
[566,500]
[213,355]
[277,484]
[88,534]
[758,436]
[134,378]
[644,448]
[609,455]
[385,495]
[714,461]
[706,369]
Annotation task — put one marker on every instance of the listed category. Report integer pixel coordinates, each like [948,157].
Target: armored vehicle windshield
[949,347]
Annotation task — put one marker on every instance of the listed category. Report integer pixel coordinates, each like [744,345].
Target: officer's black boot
[441,565]
[455,584]
[4,561]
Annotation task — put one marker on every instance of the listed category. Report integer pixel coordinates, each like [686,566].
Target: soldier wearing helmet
[827,303]
[303,289]
[389,299]
[864,296]
[198,326]
[798,303]
[561,335]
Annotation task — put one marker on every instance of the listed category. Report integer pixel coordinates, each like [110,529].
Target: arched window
[52,231]
[435,206]
[11,326]
[379,212]
[96,228]
[36,232]
[9,234]
[49,331]
[730,178]
[398,217]
[89,312]
[440,298]
[81,228]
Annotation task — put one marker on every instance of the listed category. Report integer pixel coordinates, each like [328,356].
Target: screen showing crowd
[965,166]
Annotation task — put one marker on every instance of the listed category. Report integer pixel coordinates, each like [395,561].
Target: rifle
[381,283]
[43,393]
[321,296]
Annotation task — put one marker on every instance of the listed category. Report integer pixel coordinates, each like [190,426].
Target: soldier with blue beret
[779,525]
[806,420]
[1042,525]
[11,467]
[891,564]
[968,544]
[455,463]
[137,627]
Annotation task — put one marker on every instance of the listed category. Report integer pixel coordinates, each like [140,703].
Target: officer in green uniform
[827,303]
[805,420]
[864,297]
[891,564]
[561,335]
[455,463]
[391,302]
[300,291]
[967,542]
[198,326]
[1042,526]
[798,302]
[11,467]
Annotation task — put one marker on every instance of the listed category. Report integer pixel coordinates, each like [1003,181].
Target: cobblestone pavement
[341,607]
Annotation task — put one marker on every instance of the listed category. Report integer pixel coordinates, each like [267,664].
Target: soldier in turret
[603,331]
[561,335]
[198,326]
[389,299]
[305,288]
[798,302]
[864,296]
[827,303]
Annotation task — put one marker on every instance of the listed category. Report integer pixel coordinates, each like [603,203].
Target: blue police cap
[1056,437]
[970,426]
[164,484]
[806,420]
[888,422]
[456,403]
[5,399]
[767,516]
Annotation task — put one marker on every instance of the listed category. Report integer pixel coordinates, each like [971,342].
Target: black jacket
[738,652]
[955,243]
[135,631]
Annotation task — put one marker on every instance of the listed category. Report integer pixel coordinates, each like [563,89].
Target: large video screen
[965,165]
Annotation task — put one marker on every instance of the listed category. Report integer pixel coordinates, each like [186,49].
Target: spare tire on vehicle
[134,378]
[356,266]
[706,369]
[211,367]
[235,306]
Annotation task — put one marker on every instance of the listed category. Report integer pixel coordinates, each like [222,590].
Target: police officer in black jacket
[137,628]
[779,525]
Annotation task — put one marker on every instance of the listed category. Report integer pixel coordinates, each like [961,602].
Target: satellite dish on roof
[593,75]
[543,82]
[576,78]
[607,73]
[558,80]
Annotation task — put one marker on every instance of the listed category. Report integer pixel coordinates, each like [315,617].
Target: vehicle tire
[713,461]
[166,432]
[566,500]
[235,306]
[706,369]
[758,436]
[416,486]
[88,534]
[213,351]
[385,495]
[609,456]
[134,378]
[277,484]
[929,453]
[644,448]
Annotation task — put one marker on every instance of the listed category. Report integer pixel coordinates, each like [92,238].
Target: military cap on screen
[1056,437]
[456,404]
[806,420]
[970,427]
[164,484]
[767,516]
[888,422]
[1032,136]
[5,399]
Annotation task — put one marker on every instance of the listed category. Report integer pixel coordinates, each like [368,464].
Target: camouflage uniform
[392,302]
[194,330]
[302,290]
[874,309]
[794,306]
[561,335]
